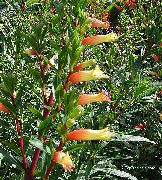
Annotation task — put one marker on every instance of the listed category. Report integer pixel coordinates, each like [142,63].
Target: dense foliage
[42,45]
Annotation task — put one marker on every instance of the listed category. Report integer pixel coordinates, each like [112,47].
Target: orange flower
[30,52]
[3,108]
[87,98]
[64,159]
[89,134]
[84,64]
[98,23]
[81,76]
[93,40]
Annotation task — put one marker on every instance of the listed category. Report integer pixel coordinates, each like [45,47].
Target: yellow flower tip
[89,134]
[111,37]
[3,108]
[64,159]
[98,74]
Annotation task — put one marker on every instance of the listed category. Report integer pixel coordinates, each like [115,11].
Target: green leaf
[31,40]
[122,174]
[135,138]
[9,83]
[75,147]
[35,112]
[12,146]
[36,74]
[8,105]
[9,159]
[44,124]
[109,8]
[39,144]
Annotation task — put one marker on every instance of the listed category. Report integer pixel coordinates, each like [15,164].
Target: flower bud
[31,52]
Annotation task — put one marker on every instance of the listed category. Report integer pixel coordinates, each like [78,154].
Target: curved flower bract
[3,108]
[82,76]
[89,134]
[93,40]
[64,159]
[87,98]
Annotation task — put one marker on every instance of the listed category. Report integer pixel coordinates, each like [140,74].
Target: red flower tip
[155,58]
[3,108]
[30,52]
[140,126]
[98,23]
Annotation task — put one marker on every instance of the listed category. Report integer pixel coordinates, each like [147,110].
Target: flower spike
[82,76]
[89,134]
[87,98]
[93,40]
[64,159]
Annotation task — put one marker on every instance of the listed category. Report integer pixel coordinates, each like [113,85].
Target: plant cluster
[80,92]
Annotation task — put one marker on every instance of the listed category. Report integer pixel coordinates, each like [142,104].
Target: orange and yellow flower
[93,40]
[87,98]
[98,23]
[3,108]
[82,76]
[84,64]
[89,134]
[64,159]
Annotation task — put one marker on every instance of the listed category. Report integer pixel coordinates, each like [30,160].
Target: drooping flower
[64,159]
[84,64]
[93,40]
[89,134]
[98,23]
[140,126]
[87,98]
[30,52]
[3,108]
[82,76]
